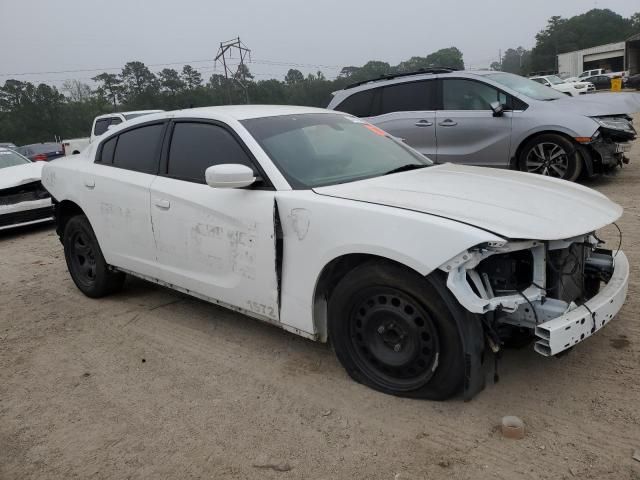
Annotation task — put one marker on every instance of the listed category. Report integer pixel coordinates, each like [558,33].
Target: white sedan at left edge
[23,199]
[326,226]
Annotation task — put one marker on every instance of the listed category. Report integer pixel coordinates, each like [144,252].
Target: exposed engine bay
[525,284]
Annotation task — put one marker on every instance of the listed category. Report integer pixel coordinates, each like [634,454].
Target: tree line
[561,35]
[34,113]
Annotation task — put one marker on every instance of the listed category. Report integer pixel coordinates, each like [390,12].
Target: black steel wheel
[85,261]
[392,331]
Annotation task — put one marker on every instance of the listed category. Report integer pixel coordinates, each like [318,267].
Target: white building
[613,57]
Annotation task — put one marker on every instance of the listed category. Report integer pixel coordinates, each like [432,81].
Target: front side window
[408,97]
[462,94]
[139,149]
[197,146]
[359,104]
[317,149]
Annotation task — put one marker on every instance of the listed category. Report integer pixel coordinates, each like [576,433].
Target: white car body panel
[528,205]
[22,175]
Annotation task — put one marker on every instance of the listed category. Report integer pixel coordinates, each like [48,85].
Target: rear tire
[85,261]
[393,332]
[552,155]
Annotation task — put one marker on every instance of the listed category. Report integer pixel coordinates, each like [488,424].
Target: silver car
[495,119]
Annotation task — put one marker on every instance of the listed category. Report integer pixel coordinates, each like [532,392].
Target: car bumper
[565,331]
[25,213]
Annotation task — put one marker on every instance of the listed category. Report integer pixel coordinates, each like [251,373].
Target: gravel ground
[153,384]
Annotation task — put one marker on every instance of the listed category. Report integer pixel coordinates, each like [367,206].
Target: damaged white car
[326,226]
[23,199]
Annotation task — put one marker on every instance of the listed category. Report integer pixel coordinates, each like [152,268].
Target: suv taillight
[41,157]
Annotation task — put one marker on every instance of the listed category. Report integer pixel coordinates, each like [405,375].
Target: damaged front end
[24,204]
[561,292]
[612,141]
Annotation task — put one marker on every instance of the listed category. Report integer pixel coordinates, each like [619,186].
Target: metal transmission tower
[225,53]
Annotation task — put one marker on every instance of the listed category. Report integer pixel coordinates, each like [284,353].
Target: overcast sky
[54,35]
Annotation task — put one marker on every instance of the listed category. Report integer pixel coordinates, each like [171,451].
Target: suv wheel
[551,155]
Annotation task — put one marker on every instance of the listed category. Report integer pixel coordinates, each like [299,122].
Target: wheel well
[516,158]
[65,210]
[331,274]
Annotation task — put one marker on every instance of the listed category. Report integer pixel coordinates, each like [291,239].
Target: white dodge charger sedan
[324,225]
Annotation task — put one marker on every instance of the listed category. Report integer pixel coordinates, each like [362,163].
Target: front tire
[393,332]
[85,261]
[551,155]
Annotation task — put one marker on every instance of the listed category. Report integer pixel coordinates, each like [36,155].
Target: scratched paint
[300,222]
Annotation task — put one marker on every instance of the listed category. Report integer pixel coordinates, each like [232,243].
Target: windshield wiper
[406,168]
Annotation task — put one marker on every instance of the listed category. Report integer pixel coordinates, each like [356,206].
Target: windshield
[525,86]
[9,158]
[555,80]
[317,149]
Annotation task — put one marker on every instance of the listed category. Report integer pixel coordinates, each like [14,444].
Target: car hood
[600,104]
[511,204]
[20,175]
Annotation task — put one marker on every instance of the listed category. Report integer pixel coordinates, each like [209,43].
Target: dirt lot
[153,384]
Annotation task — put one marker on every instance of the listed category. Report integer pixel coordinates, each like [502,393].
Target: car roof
[132,112]
[235,112]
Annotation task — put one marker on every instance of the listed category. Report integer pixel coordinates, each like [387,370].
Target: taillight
[41,157]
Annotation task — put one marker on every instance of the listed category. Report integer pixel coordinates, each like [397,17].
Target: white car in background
[23,199]
[568,88]
[101,124]
[328,227]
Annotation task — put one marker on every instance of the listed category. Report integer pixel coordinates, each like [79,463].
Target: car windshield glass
[9,158]
[317,149]
[525,86]
[129,116]
[555,80]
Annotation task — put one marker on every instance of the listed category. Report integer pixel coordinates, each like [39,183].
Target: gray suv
[495,119]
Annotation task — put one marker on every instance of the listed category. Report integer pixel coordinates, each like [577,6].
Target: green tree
[139,84]
[109,87]
[293,76]
[170,81]
[191,77]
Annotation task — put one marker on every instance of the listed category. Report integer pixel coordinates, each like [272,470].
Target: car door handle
[448,123]
[90,183]
[163,204]
[423,123]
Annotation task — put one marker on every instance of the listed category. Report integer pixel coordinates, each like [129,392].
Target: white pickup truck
[101,124]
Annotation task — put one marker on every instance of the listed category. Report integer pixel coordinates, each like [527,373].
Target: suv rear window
[139,149]
[359,104]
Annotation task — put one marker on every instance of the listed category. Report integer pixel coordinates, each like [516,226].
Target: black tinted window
[359,104]
[408,97]
[138,149]
[106,155]
[197,146]
[101,126]
[460,94]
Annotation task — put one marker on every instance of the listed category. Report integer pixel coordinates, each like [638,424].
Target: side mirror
[498,109]
[229,175]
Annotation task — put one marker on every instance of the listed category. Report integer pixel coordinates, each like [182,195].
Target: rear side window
[101,126]
[461,94]
[359,104]
[408,97]
[197,146]
[108,148]
[139,149]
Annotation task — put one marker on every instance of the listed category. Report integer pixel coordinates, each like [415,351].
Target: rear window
[45,148]
[101,126]
[108,149]
[139,149]
[359,104]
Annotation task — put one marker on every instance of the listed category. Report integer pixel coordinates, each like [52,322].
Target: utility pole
[225,53]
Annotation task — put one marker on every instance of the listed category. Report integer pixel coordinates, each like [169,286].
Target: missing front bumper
[567,330]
